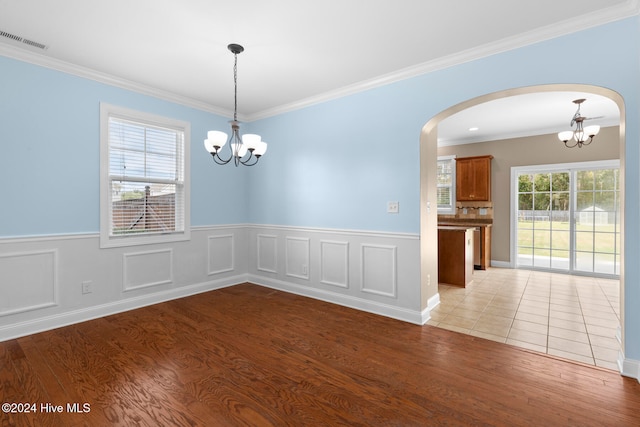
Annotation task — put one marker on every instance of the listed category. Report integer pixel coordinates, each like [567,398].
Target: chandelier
[246,150]
[580,135]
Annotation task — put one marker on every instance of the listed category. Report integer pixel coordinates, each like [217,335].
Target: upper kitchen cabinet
[473,178]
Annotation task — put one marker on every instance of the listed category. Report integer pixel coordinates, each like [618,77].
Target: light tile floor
[573,317]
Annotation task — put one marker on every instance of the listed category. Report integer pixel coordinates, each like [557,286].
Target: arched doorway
[428,188]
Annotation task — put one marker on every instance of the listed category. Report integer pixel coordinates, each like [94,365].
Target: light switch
[393,207]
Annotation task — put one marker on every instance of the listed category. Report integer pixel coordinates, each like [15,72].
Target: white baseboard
[412,316]
[432,303]
[46,323]
[501,264]
[629,367]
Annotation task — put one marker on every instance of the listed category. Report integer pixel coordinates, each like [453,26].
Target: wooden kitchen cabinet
[455,255]
[473,178]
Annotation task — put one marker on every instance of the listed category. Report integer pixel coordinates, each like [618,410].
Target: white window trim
[452,209]
[108,241]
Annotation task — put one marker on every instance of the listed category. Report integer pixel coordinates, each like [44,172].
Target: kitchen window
[144,191]
[446,178]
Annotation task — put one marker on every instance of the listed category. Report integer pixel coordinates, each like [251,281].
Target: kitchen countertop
[454,227]
[463,222]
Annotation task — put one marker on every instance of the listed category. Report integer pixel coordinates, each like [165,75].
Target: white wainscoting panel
[220,254]
[379,269]
[297,257]
[29,281]
[334,263]
[146,269]
[385,267]
[267,253]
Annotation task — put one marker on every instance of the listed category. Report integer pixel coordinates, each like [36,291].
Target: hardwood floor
[248,355]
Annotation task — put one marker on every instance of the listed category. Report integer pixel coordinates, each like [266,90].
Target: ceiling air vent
[22,40]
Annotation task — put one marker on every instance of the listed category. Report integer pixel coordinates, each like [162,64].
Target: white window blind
[446,184]
[145,179]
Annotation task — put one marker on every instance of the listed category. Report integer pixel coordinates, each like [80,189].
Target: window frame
[448,209]
[107,240]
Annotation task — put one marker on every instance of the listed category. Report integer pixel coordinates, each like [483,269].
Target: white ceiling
[296,52]
[525,115]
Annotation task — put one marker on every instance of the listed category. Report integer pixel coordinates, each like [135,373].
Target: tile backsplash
[470,210]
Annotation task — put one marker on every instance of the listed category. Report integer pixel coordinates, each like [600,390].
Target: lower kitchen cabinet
[455,255]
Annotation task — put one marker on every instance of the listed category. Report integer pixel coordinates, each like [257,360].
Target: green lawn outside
[546,236]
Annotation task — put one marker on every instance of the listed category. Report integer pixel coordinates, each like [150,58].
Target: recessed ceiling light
[473,129]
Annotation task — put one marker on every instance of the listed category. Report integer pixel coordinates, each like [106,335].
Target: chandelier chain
[576,116]
[235,84]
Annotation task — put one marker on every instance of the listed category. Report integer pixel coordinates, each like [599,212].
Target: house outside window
[144,193]
[446,177]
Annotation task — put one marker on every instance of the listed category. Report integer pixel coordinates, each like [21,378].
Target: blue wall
[337,164]
[49,164]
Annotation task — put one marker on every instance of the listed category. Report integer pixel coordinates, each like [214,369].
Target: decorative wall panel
[297,257]
[145,269]
[267,253]
[379,269]
[334,263]
[220,254]
[29,281]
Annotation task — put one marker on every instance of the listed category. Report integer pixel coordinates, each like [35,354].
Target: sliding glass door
[566,217]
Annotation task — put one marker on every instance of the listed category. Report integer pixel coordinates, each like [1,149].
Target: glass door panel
[525,220]
[597,221]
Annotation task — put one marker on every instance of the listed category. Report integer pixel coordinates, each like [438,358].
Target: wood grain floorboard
[251,356]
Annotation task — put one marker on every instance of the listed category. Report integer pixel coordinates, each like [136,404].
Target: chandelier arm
[251,157]
[571,146]
[218,160]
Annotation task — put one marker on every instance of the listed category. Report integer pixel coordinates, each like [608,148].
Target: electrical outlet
[393,207]
[87,287]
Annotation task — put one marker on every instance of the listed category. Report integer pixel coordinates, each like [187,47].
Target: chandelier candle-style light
[581,135]
[246,150]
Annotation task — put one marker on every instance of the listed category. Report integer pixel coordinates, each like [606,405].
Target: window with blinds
[143,186]
[446,184]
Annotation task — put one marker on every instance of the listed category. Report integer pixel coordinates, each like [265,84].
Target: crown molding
[32,57]
[594,19]
[569,26]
